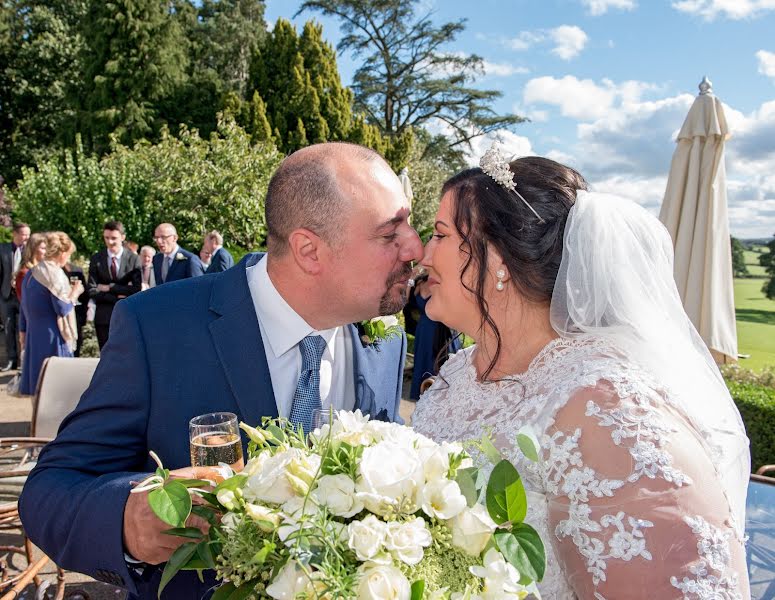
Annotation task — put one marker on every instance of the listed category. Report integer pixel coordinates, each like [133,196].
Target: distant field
[755,324]
[752,262]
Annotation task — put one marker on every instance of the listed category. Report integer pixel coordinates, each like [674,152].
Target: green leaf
[466,480]
[211,498]
[418,589]
[205,552]
[232,483]
[193,482]
[260,556]
[523,548]
[223,592]
[207,513]
[244,590]
[277,433]
[527,446]
[491,451]
[178,559]
[506,499]
[171,503]
[186,532]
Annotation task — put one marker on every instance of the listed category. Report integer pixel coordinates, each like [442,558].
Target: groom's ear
[307,249]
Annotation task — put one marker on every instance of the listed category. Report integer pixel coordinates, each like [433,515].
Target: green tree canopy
[407,79]
[739,267]
[767,260]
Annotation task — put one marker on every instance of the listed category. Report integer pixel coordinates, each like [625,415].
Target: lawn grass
[752,262]
[755,324]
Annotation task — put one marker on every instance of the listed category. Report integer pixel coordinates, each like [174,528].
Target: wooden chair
[61,383]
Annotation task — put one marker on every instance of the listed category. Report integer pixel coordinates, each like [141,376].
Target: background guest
[10,261]
[173,263]
[112,274]
[430,337]
[47,320]
[220,259]
[204,257]
[34,252]
[73,271]
[147,278]
[133,246]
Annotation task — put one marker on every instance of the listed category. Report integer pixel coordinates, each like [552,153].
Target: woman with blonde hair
[47,318]
[34,252]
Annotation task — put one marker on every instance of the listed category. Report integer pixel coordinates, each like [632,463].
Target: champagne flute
[322,416]
[74,279]
[214,439]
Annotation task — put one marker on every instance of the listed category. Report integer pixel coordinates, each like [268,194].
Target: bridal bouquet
[358,509]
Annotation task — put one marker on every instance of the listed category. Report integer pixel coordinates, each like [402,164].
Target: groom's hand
[144,539]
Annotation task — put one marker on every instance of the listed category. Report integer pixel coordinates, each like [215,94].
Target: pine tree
[135,59]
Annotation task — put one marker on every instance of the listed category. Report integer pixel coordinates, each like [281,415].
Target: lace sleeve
[635,507]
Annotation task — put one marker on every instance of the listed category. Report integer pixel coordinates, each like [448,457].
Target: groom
[339,249]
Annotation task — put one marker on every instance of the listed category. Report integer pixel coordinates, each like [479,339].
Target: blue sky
[607,85]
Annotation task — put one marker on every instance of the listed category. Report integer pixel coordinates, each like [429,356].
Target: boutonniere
[180,256]
[379,328]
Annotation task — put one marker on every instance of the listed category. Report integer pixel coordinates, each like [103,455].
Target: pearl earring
[500,274]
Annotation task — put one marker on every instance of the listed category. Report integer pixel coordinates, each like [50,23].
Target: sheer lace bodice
[625,496]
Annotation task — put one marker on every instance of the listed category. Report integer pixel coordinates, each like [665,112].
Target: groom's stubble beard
[393,301]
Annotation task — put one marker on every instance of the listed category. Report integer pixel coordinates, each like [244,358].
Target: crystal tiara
[496,166]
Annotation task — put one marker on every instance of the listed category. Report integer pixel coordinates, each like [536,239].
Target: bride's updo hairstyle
[488,215]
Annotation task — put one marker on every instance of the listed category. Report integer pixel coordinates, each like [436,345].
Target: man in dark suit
[172,262]
[220,259]
[10,259]
[334,259]
[113,275]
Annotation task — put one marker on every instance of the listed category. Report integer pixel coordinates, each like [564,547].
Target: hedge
[756,404]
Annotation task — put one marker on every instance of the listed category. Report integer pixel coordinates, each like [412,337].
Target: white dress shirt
[118,259]
[282,329]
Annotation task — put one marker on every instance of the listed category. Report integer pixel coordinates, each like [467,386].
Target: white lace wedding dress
[626,497]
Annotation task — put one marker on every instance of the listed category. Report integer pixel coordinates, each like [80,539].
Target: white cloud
[512,145]
[503,69]
[766,63]
[525,40]
[570,41]
[731,9]
[600,7]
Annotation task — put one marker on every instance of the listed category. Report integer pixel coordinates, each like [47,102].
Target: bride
[581,339]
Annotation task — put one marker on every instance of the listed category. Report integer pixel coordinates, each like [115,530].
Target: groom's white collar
[281,325]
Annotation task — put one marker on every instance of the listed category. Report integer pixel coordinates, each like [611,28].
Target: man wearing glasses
[173,262]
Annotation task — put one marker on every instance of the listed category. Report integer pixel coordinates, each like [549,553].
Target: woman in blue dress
[47,320]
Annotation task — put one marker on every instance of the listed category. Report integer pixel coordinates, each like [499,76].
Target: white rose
[270,483]
[435,462]
[266,518]
[337,492]
[472,529]
[406,541]
[289,583]
[442,499]
[383,582]
[390,476]
[351,428]
[367,537]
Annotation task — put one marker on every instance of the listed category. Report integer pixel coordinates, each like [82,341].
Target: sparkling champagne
[211,449]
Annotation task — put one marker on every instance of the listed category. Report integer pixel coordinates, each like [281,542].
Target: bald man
[172,262]
[339,252]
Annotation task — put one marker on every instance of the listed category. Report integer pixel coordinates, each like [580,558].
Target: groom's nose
[412,248]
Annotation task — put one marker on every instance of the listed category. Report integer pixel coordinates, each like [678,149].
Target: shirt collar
[117,255]
[174,252]
[282,325]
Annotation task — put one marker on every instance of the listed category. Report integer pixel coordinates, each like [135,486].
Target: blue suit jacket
[220,261]
[189,266]
[174,352]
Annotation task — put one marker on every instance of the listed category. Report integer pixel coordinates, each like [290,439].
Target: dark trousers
[9,312]
[102,334]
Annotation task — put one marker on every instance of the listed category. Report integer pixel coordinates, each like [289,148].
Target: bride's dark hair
[487,215]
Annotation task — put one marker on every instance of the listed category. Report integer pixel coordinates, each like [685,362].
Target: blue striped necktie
[307,396]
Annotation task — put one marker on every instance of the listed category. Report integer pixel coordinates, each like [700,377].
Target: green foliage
[767,260]
[196,184]
[757,408]
[136,56]
[6,234]
[738,374]
[407,78]
[739,268]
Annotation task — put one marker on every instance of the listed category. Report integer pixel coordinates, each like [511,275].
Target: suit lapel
[237,338]
[365,362]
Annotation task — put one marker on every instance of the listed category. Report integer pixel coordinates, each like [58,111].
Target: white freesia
[383,582]
[367,537]
[266,518]
[391,477]
[337,492]
[472,529]
[255,465]
[435,462]
[405,541]
[442,499]
[289,583]
[301,472]
[501,579]
[270,483]
[228,498]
